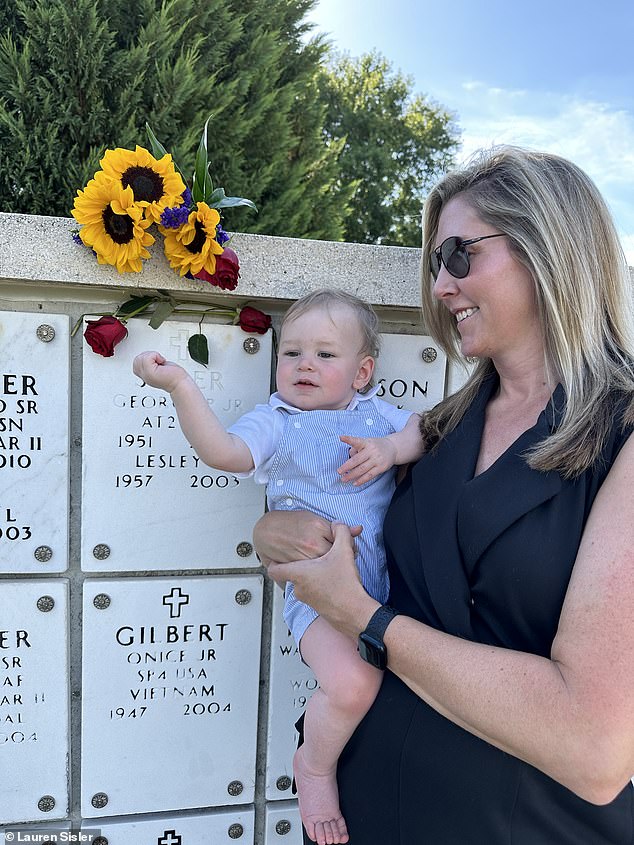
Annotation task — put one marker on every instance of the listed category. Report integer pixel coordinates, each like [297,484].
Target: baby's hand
[369,457]
[156,371]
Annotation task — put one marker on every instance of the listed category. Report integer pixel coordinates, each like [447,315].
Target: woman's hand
[330,584]
[291,535]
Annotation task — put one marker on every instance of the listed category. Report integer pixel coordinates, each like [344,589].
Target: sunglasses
[453,254]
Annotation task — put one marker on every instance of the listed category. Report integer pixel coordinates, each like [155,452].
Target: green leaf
[198,349]
[216,197]
[233,202]
[158,150]
[134,305]
[162,311]
[202,186]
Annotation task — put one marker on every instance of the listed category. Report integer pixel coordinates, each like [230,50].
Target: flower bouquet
[136,190]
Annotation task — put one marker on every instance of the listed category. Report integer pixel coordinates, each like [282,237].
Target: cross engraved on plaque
[164,687]
[179,342]
[174,838]
[178,598]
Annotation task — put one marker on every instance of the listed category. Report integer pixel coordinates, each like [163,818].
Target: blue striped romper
[302,475]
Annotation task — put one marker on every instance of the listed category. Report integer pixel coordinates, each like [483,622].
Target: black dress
[487,558]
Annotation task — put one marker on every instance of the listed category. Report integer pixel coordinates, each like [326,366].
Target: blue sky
[557,76]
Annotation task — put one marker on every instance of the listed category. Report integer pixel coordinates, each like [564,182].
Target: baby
[324,443]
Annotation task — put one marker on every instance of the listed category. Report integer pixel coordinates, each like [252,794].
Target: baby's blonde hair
[327,298]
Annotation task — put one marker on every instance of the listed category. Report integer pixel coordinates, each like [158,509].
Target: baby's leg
[348,686]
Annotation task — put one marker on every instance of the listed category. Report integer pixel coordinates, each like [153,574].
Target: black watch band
[371,646]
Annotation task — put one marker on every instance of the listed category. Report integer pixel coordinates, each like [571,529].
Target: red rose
[227,271]
[102,335]
[254,321]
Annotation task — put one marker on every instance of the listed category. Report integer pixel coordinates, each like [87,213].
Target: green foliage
[396,144]
[80,76]
[339,152]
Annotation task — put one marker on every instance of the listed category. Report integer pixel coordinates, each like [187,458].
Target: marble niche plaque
[222,827]
[34,402]
[34,737]
[283,825]
[291,684]
[148,500]
[411,371]
[170,693]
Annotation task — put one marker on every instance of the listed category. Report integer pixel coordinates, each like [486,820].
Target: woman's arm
[291,536]
[571,716]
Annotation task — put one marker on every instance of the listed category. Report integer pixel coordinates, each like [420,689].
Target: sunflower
[194,247]
[155,183]
[112,223]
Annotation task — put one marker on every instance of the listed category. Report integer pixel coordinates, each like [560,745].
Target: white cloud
[597,137]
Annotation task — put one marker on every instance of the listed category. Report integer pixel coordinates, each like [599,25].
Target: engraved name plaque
[34,745]
[170,693]
[34,442]
[291,684]
[411,371]
[148,500]
[223,827]
[283,825]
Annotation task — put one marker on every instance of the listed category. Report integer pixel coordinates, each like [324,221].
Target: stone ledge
[40,249]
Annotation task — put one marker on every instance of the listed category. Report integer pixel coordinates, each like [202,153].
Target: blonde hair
[327,298]
[560,229]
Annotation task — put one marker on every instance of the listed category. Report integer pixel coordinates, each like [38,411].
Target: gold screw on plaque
[101,601]
[243,597]
[235,831]
[100,840]
[244,549]
[46,803]
[283,827]
[235,788]
[251,345]
[101,551]
[45,603]
[45,333]
[99,800]
[429,354]
[43,554]
[283,783]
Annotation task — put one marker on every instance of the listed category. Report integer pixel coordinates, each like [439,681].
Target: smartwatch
[371,646]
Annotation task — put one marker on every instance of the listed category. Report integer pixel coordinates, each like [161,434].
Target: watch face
[372,651]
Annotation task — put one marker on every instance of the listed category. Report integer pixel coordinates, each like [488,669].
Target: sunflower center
[199,238]
[120,227]
[146,183]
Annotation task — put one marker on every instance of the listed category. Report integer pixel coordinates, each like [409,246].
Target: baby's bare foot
[319,803]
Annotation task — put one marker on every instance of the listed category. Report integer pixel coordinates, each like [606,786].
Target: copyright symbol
[8,836]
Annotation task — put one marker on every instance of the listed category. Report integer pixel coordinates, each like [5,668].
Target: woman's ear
[364,373]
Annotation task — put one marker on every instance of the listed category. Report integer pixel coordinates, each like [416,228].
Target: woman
[507,711]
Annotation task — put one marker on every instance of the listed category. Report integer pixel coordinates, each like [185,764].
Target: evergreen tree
[80,76]
[396,144]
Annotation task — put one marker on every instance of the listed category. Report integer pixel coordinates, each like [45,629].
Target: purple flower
[77,239]
[174,218]
[221,236]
